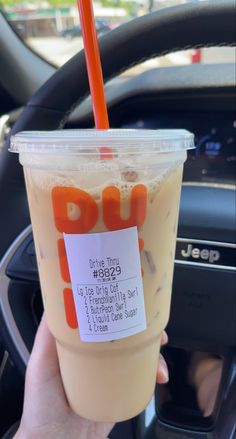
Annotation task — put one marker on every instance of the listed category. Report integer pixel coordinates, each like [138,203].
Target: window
[52,29]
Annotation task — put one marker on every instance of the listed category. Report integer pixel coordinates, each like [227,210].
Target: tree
[62,2]
[12,3]
[108,3]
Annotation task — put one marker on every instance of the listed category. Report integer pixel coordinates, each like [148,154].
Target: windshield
[52,29]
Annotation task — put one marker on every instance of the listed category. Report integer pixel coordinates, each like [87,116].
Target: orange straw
[93,61]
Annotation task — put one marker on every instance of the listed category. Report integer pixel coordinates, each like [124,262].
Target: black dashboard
[200,98]
[214,159]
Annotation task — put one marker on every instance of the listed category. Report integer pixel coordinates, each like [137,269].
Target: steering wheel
[193,25]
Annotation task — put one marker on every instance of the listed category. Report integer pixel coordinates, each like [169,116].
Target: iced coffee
[105,231]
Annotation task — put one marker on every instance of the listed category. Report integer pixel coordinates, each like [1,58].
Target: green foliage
[106,3]
[7,3]
[62,2]
[117,3]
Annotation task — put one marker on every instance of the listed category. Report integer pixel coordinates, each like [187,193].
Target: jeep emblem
[206,255]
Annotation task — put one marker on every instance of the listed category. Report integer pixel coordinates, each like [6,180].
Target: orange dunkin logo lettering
[65,274]
[111,208]
[69,303]
[62,197]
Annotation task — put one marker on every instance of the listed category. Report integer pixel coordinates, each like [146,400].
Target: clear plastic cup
[104,229]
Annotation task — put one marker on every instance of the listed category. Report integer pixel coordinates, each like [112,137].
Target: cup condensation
[108,381]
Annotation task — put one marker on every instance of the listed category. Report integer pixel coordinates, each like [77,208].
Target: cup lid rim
[75,141]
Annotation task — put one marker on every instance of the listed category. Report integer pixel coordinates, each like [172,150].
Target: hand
[46,413]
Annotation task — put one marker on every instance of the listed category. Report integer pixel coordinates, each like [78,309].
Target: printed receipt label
[107,285]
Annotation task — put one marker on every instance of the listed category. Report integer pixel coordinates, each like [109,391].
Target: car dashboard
[199,98]
[214,159]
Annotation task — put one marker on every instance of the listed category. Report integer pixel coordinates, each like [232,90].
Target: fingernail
[164,338]
[164,370]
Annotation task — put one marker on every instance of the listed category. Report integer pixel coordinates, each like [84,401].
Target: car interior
[201,98]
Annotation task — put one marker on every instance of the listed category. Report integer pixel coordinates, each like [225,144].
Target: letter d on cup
[64,196]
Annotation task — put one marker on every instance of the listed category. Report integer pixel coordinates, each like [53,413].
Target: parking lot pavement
[57,50]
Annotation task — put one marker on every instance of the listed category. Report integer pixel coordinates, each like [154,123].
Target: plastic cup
[105,234]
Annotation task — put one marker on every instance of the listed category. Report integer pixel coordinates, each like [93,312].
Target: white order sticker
[106,279]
